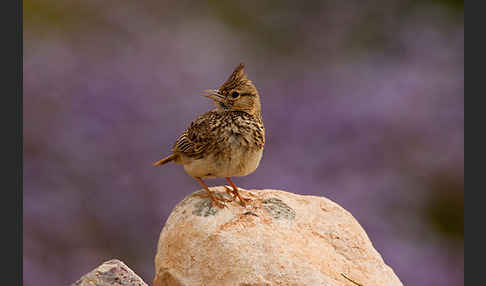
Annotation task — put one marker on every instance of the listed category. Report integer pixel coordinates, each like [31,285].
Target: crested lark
[226,141]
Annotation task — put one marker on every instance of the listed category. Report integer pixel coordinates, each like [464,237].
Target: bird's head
[237,93]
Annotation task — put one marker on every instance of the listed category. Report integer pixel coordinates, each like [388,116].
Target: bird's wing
[197,137]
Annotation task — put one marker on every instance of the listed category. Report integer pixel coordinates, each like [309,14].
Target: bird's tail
[165,160]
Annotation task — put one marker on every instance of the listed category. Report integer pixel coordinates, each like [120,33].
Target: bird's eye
[235,94]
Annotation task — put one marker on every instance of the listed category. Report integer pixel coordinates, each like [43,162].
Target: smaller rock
[111,273]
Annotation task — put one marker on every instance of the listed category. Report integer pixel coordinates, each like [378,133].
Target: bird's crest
[237,78]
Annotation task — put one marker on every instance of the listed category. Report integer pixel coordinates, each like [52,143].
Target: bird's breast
[240,154]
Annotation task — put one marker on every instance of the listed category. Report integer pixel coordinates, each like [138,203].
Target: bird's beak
[213,94]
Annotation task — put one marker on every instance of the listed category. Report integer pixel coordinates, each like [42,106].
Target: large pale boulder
[110,273]
[280,238]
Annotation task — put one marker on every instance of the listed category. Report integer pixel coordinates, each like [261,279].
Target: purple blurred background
[363,102]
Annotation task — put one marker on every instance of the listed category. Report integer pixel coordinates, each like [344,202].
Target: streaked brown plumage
[227,141]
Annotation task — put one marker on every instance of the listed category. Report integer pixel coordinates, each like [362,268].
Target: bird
[227,141]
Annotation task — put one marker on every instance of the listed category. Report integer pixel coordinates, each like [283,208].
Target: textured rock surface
[280,238]
[111,273]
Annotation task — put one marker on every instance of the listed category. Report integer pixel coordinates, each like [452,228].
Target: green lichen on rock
[278,209]
[203,208]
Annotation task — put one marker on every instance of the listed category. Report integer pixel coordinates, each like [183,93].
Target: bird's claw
[215,199]
[235,195]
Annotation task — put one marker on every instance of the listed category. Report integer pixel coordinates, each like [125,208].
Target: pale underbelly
[239,163]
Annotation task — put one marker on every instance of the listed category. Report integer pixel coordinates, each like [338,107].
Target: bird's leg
[214,199]
[230,192]
[235,192]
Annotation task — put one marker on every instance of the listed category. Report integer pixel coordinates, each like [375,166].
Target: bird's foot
[230,192]
[235,194]
[214,198]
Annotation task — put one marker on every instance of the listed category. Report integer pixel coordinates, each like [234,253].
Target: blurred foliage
[456,5]
[70,19]
[262,21]
[444,208]
[51,14]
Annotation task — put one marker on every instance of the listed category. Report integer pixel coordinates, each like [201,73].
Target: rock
[280,238]
[111,273]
